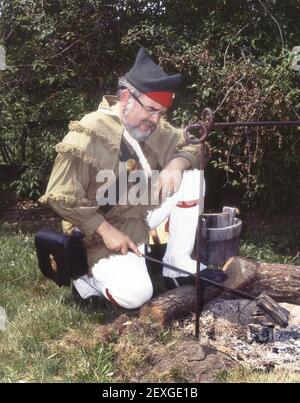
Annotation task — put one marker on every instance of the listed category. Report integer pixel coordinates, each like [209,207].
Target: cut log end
[171,305]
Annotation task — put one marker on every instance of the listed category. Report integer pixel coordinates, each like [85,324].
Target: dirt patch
[28,211]
[29,218]
[186,364]
[146,352]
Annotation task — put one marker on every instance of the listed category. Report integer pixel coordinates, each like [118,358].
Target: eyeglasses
[148,109]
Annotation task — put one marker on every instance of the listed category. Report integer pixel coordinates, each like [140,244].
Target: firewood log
[280,281]
[179,302]
[176,303]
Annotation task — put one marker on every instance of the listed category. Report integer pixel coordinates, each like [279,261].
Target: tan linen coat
[93,144]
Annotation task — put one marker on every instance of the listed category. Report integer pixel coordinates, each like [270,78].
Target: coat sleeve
[66,194]
[173,145]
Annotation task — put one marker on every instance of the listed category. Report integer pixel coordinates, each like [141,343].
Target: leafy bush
[235,56]
[29,184]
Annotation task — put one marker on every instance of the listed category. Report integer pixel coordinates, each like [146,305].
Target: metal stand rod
[204,126]
[222,125]
[199,286]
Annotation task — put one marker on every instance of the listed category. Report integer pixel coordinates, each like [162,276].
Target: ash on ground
[226,326]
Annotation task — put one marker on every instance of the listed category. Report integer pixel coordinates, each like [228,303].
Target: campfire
[227,327]
[238,327]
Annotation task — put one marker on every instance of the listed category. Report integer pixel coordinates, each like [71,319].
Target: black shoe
[218,276]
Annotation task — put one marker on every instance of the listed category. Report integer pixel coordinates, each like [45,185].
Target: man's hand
[170,178]
[115,240]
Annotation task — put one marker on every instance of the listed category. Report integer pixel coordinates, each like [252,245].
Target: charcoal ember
[260,334]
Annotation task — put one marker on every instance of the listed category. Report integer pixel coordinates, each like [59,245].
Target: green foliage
[235,56]
[29,184]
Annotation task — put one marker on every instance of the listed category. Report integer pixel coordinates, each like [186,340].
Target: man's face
[140,115]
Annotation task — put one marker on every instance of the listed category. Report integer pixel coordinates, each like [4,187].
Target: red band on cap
[163,98]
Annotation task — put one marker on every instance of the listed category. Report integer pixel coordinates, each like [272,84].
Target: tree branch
[225,54]
[229,91]
[276,22]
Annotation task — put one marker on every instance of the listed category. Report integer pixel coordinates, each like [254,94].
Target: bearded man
[126,128]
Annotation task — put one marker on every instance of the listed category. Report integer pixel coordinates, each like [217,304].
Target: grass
[50,339]
[34,347]
[242,375]
[273,242]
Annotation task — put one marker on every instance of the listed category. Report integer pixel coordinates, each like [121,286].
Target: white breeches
[124,279]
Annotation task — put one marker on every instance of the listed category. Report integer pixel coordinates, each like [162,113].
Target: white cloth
[138,151]
[125,279]
[183,223]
